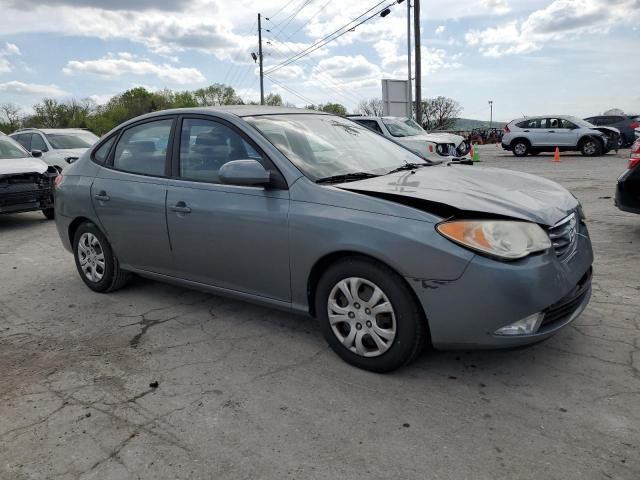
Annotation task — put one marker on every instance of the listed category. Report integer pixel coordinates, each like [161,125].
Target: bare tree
[440,113]
[10,117]
[372,107]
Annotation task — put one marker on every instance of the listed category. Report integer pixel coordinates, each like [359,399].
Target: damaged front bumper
[25,192]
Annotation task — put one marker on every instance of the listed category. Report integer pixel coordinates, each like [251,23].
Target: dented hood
[477,189]
[12,166]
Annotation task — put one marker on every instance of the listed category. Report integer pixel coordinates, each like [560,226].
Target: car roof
[240,110]
[52,130]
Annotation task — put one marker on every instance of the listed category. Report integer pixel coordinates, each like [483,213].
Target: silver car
[532,135]
[59,146]
[316,214]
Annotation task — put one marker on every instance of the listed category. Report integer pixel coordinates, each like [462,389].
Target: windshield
[399,128]
[580,122]
[412,123]
[9,149]
[323,146]
[71,140]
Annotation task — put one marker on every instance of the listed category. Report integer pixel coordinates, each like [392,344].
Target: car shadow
[21,221]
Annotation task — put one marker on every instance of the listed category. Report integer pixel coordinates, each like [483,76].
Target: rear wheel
[590,147]
[97,265]
[369,316]
[521,148]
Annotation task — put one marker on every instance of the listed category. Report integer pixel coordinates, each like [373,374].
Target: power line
[310,18]
[293,15]
[280,9]
[331,36]
[290,90]
[338,90]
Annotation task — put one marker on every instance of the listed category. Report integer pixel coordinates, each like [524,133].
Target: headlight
[504,239]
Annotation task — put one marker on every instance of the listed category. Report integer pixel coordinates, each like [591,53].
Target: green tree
[440,113]
[334,108]
[10,117]
[273,99]
[217,94]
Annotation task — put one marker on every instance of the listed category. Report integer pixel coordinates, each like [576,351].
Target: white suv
[59,147]
[408,133]
[532,135]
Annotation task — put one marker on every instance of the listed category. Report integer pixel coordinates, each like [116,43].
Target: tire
[49,213]
[590,147]
[90,243]
[402,327]
[521,147]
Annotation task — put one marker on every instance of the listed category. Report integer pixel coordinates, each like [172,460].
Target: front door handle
[551,131]
[180,207]
[527,131]
[102,196]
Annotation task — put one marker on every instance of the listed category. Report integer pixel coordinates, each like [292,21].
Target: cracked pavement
[246,392]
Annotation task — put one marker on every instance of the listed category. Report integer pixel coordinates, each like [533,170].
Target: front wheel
[369,316]
[591,147]
[97,265]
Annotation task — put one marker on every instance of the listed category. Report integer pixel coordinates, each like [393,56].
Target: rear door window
[23,139]
[372,124]
[143,148]
[37,143]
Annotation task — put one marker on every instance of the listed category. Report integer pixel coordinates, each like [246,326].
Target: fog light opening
[527,326]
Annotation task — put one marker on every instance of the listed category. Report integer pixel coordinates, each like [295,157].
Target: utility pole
[491,114]
[418,62]
[260,59]
[409,57]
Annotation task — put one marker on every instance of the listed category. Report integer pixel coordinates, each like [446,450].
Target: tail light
[634,161]
[58,180]
[506,128]
[635,124]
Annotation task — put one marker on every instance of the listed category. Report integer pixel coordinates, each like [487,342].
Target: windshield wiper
[347,177]
[408,166]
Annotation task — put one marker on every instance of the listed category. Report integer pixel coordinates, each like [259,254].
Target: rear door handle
[102,196]
[527,131]
[180,207]
[551,131]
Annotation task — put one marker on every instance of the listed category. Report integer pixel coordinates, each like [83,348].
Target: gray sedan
[316,214]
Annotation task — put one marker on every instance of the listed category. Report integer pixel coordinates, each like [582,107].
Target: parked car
[624,123]
[26,183]
[628,187]
[408,133]
[59,147]
[316,214]
[532,135]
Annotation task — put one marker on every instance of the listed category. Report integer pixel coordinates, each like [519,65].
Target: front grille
[446,149]
[564,236]
[569,303]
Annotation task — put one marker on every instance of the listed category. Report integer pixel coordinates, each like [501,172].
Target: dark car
[625,123]
[628,189]
[26,183]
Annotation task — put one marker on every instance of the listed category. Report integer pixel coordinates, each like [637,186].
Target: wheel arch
[73,226]
[329,259]
[524,139]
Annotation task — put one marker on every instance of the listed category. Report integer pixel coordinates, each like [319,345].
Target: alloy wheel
[520,148]
[590,148]
[361,317]
[91,257]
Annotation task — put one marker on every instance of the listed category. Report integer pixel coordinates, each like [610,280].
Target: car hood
[446,137]
[10,166]
[477,189]
[607,130]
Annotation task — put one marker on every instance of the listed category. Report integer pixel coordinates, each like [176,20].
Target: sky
[530,57]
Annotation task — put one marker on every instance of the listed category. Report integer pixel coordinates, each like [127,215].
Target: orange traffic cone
[556,156]
[471,152]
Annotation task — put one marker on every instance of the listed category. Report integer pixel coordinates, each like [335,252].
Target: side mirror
[36,153]
[248,173]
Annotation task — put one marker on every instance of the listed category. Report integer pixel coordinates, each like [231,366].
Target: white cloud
[8,50]
[126,64]
[499,7]
[22,88]
[560,20]
[440,29]
[347,71]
